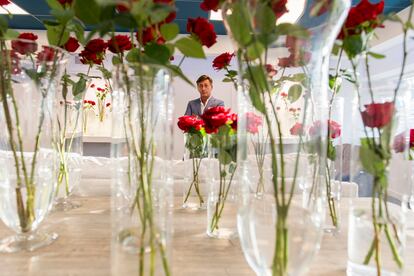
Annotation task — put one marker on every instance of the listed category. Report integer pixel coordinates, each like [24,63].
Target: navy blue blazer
[194,106]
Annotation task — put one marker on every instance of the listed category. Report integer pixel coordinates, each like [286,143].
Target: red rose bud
[296,129]
[63,2]
[25,47]
[203,30]
[71,45]
[97,45]
[4,2]
[359,15]
[271,71]
[108,104]
[253,122]
[279,7]
[283,94]
[186,123]
[334,129]
[399,142]
[210,5]
[122,8]
[92,85]
[377,114]
[215,117]
[119,44]
[222,61]
[46,55]
[233,118]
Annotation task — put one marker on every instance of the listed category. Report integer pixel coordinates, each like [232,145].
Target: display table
[83,246]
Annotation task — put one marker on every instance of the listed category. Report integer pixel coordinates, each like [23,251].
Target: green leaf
[11,34]
[331,152]
[265,18]
[238,22]
[295,91]
[353,45]
[292,30]
[190,48]
[63,16]
[158,52]
[116,60]
[56,35]
[254,50]
[79,88]
[169,31]
[55,5]
[376,55]
[370,160]
[105,72]
[88,11]
[133,55]
[226,80]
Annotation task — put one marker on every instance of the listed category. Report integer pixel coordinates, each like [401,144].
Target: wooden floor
[83,247]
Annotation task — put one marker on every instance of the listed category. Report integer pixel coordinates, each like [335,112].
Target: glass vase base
[193,206]
[65,205]
[354,269]
[26,242]
[223,233]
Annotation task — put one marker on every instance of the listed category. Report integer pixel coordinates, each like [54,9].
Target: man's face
[204,88]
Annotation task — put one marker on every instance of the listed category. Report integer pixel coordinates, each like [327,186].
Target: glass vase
[223,189]
[142,182]
[282,51]
[333,165]
[195,185]
[69,144]
[382,138]
[30,78]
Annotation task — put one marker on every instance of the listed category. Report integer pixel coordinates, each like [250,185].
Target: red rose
[122,8]
[233,118]
[271,71]
[210,5]
[411,138]
[71,45]
[215,117]
[97,45]
[108,104]
[358,15]
[4,2]
[25,47]
[119,44]
[222,61]
[283,94]
[253,122]
[378,114]
[151,34]
[186,123]
[298,56]
[46,55]
[88,57]
[63,2]
[203,30]
[334,129]
[279,7]
[399,142]
[296,129]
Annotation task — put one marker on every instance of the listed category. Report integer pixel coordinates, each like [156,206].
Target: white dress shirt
[202,105]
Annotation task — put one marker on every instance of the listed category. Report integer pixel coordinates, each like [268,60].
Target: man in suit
[206,101]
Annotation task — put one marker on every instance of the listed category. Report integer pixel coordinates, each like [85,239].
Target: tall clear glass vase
[142,184]
[195,185]
[69,142]
[376,233]
[333,165]
[29,77]
[283,49]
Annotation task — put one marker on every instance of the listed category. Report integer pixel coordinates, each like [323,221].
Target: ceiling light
[216,15]
[13,9]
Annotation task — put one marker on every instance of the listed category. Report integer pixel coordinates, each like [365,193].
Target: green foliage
[371,158]
[196,144]
[294,93]
[169,31]
[190,47]
[265,18]
[105,72]
[292,30]
[239,23]
[79,88]
[353,45]
[88,11]
[331,152]
[254,50]
[161,53]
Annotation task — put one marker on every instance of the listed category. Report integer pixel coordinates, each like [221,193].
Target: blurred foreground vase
[29,77]
[379,231]
[142,178]
[195,185]
[69,142]
[280,230]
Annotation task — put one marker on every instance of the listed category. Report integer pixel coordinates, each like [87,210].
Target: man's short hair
[203,78]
